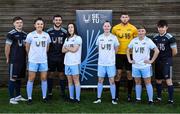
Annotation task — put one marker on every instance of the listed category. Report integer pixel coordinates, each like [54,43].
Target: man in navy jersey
[55,56]
[166,44]
[16,58]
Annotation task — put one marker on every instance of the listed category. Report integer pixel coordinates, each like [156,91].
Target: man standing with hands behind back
[55,57]
[125,32]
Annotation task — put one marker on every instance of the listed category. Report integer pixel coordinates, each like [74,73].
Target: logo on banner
[94,18]
[86,18]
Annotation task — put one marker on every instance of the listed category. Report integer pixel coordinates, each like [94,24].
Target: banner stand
[89,25]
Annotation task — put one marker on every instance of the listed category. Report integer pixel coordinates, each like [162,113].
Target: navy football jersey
[57,41]
[165,44]
[17,51]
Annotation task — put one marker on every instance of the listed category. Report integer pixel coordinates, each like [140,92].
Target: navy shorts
[163,70]
[122,62]
[17,70]
[55,65]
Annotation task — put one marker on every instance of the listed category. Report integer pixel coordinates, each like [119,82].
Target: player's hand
[148,61]
[7,61]
[132,61]
[66,47]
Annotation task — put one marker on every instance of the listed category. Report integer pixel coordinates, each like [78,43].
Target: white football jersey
[141,51]
[106,47]
[70,57]
[38,46]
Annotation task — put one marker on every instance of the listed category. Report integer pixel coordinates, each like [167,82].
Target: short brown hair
[17,18]
[141,27]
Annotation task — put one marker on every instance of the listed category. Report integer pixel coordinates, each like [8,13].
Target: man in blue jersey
[55,56]
[16,58]
[163,64]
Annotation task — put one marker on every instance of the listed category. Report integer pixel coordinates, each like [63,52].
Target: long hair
[75,30]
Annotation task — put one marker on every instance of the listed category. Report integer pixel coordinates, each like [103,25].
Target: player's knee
[117,77]
[62,77]
[169,82]
[129,75]
[100,80]
[111,80]
[111,83]
[76,79]
[158,81]
[70,83]
[76,82]
[31,78]
[50,76]
[138,81]
[119,73]
[147,81]
[43,78]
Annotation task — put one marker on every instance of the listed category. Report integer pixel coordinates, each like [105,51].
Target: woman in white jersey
[107,47]
[72,49]
[37,44]
[141,62]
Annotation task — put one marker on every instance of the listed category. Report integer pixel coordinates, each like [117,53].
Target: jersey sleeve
[131,44]
[97,41]
[78,41]
[173,43]
[65,42]
[49,39]
[9,39]
[116,42]
[152,45]
[28,39]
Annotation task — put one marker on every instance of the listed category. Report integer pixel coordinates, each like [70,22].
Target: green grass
[57,105]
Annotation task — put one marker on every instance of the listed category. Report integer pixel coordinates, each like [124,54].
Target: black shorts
[122,62]
[17,70]
[163,70]
[55,65]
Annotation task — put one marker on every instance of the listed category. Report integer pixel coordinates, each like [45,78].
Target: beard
[57,26]
[124,23]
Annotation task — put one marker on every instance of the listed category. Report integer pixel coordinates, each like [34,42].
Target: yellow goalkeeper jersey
[124,33]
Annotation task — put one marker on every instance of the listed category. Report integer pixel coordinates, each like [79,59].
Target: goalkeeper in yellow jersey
[125,32]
